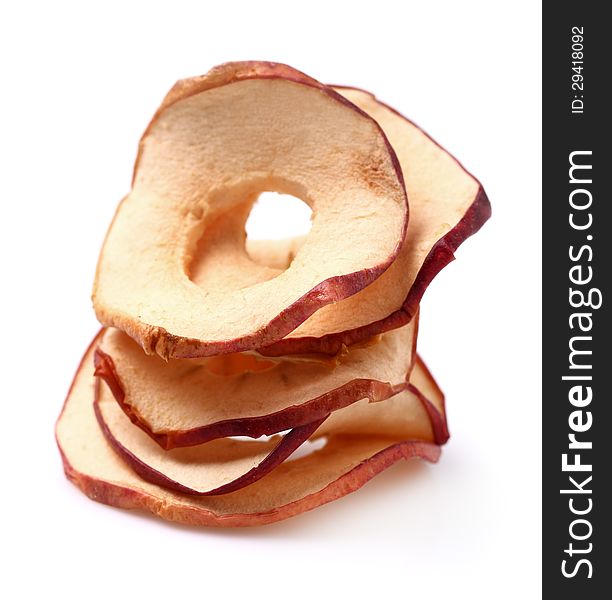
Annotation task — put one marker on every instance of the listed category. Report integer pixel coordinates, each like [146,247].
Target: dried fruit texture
[218,467]
[186,402]
[342,466]
[216,143]
[447,205]
[312,336]
[274,254]
[418,412]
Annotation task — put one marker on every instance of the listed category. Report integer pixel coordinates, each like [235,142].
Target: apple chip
[218,467]
[342,466]
[214,145]
[417,412]
[447,205]
[186,402]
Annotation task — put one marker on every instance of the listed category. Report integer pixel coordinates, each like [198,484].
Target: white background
[78,87]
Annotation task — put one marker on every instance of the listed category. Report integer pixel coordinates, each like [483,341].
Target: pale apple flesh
[187,402]
[216,143]
[226,465]
[416,412]
[447,205]
[342,466]
[218,467]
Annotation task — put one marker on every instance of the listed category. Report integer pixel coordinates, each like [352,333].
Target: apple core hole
[276,216]
[268,239]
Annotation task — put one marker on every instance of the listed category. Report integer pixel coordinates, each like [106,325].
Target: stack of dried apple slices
[221,360]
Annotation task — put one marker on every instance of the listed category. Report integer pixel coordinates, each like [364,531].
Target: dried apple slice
[214,145]
[187,402]
[424,387]
[447,205]
[341,467]
[219,467]
[418,412]
[226,465]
